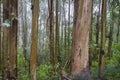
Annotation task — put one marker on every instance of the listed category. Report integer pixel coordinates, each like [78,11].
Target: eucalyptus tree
[35,15]
[82,20]
[9,40]
[102,48]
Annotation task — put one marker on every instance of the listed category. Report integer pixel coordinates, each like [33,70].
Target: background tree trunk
[0,44]
[51,36]
[102,49]
[118,30]
[57,33]
[91,39]
[97,33]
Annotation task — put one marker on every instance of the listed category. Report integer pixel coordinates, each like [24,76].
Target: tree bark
[51,36]
[13,38]
[97,33]
[35,15]
[0,43]
[82,20]
[111,33]
[102,49]
[5,53]
[57,33]
[90,39]
[24,30]
[69,51]
[110,40]
[65,31]
[118,30]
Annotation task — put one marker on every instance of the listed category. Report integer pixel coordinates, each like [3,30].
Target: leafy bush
[43,71]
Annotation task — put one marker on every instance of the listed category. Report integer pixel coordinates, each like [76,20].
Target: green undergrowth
[111,67]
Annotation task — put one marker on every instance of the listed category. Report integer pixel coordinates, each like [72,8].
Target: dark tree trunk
[97,33]
[90,39]
[102,49]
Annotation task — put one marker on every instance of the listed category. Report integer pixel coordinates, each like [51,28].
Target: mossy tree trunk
[35,15]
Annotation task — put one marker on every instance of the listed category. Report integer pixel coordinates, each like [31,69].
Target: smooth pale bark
[35,15]
[82,20]
[102,49]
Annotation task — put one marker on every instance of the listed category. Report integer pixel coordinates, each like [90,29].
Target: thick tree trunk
[35,15]
[5,53]
[13,38]
[82,20]
[102,49]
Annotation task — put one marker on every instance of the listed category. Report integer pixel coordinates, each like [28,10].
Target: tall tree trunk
[35,15]
[69,29]
[111,33]
[51,37]
[0,44]
[24,30]
[102,49]
[82,20]
[13,38]
[5,53]
[97,33]
[90,38]
[57,33]
[118,30]
[65,31]
[110,40]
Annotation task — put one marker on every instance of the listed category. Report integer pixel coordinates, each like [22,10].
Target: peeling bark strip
[82,20]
